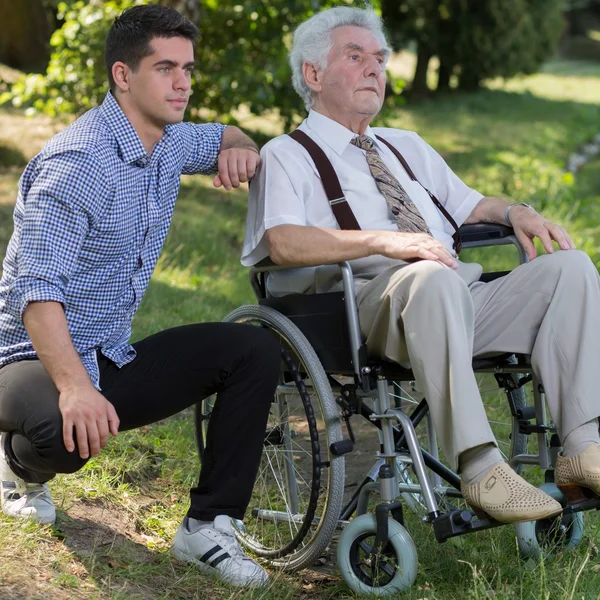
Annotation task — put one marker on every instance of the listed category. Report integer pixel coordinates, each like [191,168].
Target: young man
[418,305]
[91,217]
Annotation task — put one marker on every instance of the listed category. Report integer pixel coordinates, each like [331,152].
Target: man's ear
[312,76]
[120,73]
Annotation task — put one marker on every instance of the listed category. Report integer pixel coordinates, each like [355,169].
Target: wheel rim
[551,533]
[374,572]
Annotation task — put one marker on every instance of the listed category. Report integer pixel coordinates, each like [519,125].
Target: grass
[118,515]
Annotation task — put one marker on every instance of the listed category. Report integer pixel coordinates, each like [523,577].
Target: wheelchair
[327,378]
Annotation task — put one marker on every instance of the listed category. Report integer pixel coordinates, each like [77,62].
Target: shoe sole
[42,521]
[482,515]
[182,556]
[576,493]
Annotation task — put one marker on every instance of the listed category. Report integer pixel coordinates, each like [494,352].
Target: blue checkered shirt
[91,217]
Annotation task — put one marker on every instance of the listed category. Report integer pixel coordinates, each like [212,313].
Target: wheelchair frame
[396,428]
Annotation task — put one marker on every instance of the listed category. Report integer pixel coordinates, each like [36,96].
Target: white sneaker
[214,549]
[24,500]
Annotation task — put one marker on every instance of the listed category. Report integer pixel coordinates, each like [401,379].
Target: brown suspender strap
[340,207]
[441,207]
[333,190]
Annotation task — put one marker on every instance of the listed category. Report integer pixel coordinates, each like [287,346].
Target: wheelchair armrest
[481,235]
[483,232]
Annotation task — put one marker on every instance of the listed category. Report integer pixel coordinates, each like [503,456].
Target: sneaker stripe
[205,557]
[219,559]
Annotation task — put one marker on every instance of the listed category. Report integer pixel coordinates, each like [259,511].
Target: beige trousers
[433,319]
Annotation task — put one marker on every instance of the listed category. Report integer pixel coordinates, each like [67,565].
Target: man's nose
[182,81]
[373,68]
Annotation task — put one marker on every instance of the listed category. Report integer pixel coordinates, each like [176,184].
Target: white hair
[312,41]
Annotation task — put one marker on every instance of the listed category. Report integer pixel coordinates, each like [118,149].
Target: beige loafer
[578,477]
[504,496]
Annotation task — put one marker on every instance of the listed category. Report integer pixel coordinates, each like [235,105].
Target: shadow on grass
[11,157]
[125,568]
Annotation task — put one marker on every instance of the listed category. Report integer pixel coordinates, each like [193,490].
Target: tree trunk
[189,8]
[444,74]
[419,83]
[468,81]
[24,34]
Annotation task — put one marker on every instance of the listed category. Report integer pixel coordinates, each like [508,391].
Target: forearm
[47,327]
[298,245]
[489,210]
[236,138]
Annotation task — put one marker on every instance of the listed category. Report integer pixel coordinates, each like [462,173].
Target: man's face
[161,86]
[354,80]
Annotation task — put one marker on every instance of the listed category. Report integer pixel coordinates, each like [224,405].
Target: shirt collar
[130,146]
[334,134]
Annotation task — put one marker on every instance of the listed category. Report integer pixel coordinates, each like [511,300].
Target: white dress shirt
[287,190]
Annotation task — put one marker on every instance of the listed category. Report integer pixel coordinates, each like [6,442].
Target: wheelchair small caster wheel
[548,536]
[392,571]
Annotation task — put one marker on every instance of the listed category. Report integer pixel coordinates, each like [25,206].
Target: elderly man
[418,304]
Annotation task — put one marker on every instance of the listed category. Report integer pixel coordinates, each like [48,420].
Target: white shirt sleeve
[275,198]
[456,196]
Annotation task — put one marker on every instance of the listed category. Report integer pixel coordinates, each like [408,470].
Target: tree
[415,21]
[476,39]
[241,56]
[504,38]
[24,34]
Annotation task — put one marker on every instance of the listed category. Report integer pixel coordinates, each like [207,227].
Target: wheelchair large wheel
[297,496]
[391,572]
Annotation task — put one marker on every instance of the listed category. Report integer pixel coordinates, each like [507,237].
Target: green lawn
[118,515]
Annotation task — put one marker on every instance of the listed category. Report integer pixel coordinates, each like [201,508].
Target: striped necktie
[407,215]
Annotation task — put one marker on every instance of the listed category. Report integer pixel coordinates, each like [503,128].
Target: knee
[573,263]
[47,442]
[436,281]
[260,346]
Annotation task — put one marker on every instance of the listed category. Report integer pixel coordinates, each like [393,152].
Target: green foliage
[503,38]
[479,39]
[75,79]
[241,57]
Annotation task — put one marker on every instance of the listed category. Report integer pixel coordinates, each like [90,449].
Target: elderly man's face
[354,80]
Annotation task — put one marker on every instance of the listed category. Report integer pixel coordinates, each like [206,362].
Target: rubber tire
[529,545]
[406,555]
[275,320]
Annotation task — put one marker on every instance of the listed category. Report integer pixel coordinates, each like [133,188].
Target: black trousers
[173,370]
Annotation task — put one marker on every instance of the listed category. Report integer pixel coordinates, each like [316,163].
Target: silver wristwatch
[507,211]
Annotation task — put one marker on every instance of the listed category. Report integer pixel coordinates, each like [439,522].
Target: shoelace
[233,548]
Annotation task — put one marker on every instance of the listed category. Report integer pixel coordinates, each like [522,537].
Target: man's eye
[188,71]
[354,57]
[165,69]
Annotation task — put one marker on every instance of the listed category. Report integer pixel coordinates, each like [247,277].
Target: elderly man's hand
[411,246]
[529,224]
[235,166]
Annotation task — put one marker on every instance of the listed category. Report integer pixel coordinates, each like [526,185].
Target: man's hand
[236,165]
[410,246]
[92,416]
[529,224]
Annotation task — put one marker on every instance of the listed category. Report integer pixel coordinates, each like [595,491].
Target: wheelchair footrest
[459,522]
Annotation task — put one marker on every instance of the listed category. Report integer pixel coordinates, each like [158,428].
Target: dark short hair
[129,37]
